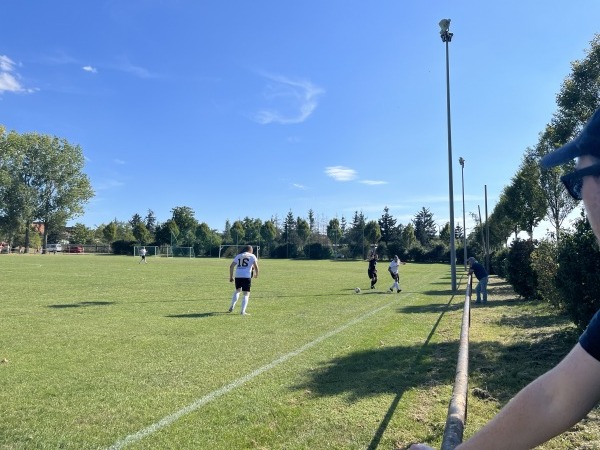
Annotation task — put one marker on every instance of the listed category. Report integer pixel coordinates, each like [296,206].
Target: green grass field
[101,352]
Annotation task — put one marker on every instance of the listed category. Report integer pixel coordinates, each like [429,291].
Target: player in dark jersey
[372,270]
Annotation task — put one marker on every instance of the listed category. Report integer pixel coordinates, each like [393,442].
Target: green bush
[439,253]
[520,273]
[498,262]
[316,250]
[544,261]
[396,248]
[285,251]
[578,275]
[123,247]
[416,254]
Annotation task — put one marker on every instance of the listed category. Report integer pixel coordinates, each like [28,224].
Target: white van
[53,248]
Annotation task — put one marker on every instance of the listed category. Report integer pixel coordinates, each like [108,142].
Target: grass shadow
[502,369]
[81,304]
[196,315]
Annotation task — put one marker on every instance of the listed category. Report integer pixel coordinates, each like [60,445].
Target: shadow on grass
[197,315]
[502,369]
[444,292]
[81,304]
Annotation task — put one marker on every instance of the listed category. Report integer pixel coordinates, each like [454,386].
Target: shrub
[285,251]
[438,253]
[520,273]
[416,254]
[498,263]
[396,248]
[316,250]
[544,261]
[578,275]
[123,247]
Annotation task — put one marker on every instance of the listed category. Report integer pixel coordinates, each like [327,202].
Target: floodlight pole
[461,160]
[447,38]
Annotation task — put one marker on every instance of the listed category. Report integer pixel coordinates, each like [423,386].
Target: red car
[76,249]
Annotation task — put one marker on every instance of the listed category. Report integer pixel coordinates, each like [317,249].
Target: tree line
[292,237]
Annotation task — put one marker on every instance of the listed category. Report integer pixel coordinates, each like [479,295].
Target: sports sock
[244,303]
[234,299]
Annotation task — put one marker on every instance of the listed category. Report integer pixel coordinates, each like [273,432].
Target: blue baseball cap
[586,143]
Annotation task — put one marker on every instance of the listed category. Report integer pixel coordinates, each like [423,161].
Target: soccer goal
[151,250]
[186,252]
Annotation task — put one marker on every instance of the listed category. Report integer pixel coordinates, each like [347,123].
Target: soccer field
[101,352]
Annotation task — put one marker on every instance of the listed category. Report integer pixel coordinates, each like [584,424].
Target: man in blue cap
[564,395]
[482,276]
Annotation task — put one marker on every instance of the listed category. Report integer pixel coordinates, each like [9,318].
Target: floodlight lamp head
[444,26]
[461,161]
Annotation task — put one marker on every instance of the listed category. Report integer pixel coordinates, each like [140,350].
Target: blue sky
[257,108]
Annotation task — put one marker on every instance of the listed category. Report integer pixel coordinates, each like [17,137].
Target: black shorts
[372,273]
[243,283]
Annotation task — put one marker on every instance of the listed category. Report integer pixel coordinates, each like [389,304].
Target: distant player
[393,269]
[246,267]
[372,270]
[143,253]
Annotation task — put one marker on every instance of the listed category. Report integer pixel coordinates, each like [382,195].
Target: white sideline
[168,420]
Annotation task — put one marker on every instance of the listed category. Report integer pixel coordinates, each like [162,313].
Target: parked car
[53,248]
[76,249]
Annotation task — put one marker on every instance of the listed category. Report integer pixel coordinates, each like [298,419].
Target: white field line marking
[168,420]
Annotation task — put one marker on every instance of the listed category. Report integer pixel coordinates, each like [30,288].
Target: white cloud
[119,161]
[299,186]
[9,81]
[373,182]
[341,173]
[6,64]
[289,101]
[90,69]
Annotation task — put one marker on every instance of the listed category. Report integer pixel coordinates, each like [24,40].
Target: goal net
[151,250]
[186,252]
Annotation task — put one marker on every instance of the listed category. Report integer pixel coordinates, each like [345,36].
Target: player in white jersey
[246,267]
[143,252]
[393,269]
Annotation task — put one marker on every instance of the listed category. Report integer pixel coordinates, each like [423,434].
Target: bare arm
[546,407]
[231,269]
[255,270]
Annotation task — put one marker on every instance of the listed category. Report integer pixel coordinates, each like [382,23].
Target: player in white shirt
[143,252]
[246,267]
[393,269]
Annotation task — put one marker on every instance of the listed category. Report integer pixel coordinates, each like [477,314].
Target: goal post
[151,250]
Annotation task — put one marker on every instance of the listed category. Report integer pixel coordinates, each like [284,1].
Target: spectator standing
[482,276]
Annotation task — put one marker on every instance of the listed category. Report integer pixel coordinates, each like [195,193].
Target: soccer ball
[357,290]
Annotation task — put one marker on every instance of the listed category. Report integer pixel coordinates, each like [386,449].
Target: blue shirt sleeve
[590,339]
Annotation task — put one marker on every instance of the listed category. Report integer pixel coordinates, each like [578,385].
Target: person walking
[246,267]
[482,276]
[564,395]
[394,269]
[372,270]
[143,253]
